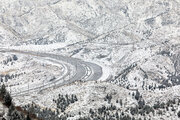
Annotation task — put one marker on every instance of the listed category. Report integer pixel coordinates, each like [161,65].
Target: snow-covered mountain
[117,21]
[136,42]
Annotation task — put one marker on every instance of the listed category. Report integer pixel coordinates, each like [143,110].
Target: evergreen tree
[28,117]
[3,90]
[11,109]
[137,96]
[120,102]
[15,57]
[7,99]
[178,114]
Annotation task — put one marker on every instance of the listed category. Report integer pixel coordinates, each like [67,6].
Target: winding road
[84,71]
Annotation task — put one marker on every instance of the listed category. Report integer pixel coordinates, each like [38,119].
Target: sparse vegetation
[63,101]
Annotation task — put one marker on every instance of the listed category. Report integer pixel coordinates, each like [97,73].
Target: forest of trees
[105,112]
[6,100]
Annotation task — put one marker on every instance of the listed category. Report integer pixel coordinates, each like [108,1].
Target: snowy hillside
[98,59]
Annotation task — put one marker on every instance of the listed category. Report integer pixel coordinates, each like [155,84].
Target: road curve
[85,71]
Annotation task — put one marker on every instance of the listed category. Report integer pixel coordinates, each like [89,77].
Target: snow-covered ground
[38,48]
[136,43]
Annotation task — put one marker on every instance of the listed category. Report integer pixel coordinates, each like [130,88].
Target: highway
[84,71]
